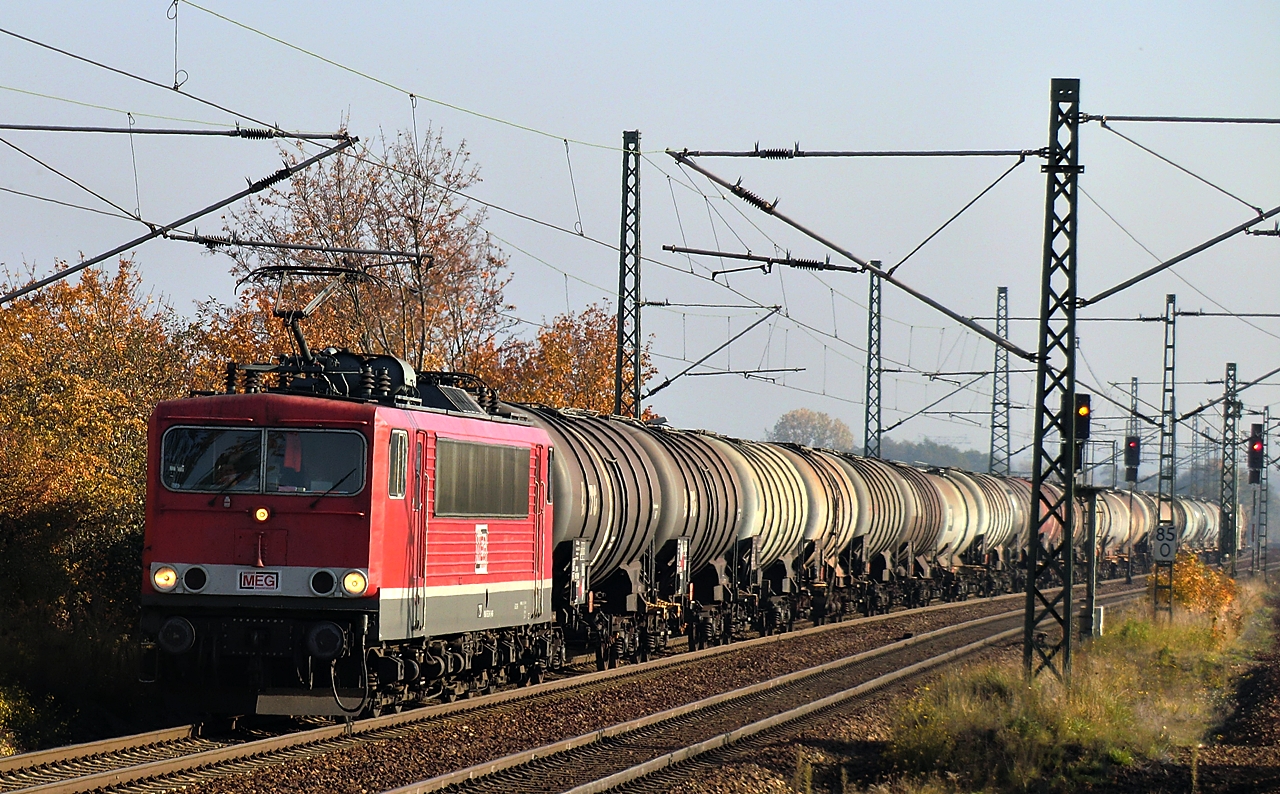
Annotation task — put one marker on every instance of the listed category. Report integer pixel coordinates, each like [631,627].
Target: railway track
[176,758]
[629,752]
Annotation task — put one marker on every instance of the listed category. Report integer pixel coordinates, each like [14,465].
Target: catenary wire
[286,134]
[1174,271]
[70,179]
[140,79]
[127,217]
[373,160]
[961,211]
[394,87]
[56,98]
[1181,168]
[688,185]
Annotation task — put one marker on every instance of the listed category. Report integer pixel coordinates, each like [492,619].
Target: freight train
[339,534]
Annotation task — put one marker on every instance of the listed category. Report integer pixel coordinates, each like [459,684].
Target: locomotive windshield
[314,461]
[226,460]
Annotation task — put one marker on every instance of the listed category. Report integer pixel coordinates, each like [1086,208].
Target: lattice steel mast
[1131,475]
[998,463]
[1049,569]
[1228,495]
[1167,478]
[1263,495]
[875,372]
[1135,429]
[627,378]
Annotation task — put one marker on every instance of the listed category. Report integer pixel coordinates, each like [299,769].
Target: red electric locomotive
[346,541]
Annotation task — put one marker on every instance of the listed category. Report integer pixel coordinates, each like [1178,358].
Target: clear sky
[719,76]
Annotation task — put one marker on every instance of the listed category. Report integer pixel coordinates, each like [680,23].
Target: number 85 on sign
[1164,547]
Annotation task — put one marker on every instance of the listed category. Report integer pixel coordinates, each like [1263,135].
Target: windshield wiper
[333,487]
[228,487]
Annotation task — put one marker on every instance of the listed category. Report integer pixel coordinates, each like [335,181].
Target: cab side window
[398,464]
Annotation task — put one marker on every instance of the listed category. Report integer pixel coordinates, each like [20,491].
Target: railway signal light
[1084,412]
[1076,413]
[1256,449]
[1132,457]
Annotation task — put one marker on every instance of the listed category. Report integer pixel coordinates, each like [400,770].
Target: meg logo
[259,580]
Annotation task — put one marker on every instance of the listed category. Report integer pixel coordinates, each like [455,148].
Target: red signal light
[1256,445]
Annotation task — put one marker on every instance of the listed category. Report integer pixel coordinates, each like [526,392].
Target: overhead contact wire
[962,210]
[70,179]
[140,79]
[158,231]
[1176,274]
[122,216]
[394,87]
[57,98]
[1184,170]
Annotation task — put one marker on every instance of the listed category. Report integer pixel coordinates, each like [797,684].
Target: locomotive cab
[257,575]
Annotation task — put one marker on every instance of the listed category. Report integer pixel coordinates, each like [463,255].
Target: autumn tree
[812,428]
[82,364]
[570,363]
[444,310]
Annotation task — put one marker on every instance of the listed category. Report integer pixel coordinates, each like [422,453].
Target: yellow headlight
[354,583]
[164,578]
[261,514]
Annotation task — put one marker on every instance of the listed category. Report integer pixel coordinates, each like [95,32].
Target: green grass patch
[1137,692]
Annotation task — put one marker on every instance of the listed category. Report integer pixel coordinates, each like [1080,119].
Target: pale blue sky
[834,75]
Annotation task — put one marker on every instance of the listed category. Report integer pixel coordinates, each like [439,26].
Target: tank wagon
[337,533]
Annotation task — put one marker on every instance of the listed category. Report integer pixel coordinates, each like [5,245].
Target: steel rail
[337,734]
[515,760]
[521,758]
[722,740]
[58,755]
[641,771]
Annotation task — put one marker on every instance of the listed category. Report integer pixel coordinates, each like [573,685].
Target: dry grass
[1136,693]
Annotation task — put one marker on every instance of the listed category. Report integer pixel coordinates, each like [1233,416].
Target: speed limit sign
[1164,545]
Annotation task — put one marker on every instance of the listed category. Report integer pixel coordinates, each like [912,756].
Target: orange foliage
[1199,588]
[82,365]
[569,364]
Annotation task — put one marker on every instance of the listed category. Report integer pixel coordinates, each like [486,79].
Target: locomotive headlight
[165,578]
[261,514]
[354,583]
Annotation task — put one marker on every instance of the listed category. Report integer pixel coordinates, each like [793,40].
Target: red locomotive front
[327,555]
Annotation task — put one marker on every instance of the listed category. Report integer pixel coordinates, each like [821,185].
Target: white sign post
[1164,546]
